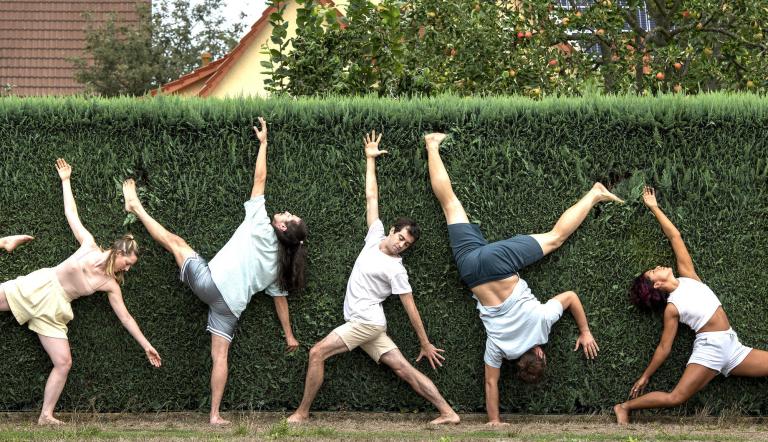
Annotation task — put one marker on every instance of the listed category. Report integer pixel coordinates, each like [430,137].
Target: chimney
[205,57]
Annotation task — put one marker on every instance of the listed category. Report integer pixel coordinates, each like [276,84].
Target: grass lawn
[332,426]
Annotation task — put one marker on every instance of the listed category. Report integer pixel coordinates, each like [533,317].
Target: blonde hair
[126,246]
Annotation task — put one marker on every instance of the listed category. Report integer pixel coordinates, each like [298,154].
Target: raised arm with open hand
[70,208]
[260,170]
[683,258]
[371,143]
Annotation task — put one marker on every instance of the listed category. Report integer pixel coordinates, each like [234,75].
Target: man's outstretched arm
[260,171]
[428,350]
[570,301]
[492,375]
[371,142]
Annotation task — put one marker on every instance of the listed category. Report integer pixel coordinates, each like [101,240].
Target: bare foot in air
[604,195]
[434,139]
[217,420]
[48,420]
[622,415]
[452,418]
[131,199]
[298,418]
[9,243]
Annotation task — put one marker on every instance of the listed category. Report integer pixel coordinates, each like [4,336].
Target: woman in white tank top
[684,298]
[42,298]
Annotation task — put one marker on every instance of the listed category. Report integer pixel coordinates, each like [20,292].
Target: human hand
[432,354]
[371,142]
[153,356]
[649,197]
[261,134]
[588,344]
[638,387]
[64,169]
[291,344]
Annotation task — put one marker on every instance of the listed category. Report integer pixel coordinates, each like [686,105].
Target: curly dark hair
[645,296]
[530,368]
[292,256]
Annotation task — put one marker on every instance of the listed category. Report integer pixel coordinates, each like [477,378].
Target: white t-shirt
[374,277]
[518,324]
[695,301]
[248,261]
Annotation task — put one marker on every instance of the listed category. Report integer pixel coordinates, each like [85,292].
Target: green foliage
[428,47]
[166,43]
[516,164]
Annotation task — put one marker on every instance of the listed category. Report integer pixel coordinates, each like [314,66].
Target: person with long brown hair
[685,298]
[263,254]
[42,298]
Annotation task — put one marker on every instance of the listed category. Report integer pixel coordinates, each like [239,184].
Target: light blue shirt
[248,261]
[518,324]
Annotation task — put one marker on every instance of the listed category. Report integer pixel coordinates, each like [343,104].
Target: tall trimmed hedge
[515,164]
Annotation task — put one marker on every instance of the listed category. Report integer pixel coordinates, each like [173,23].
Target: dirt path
[376,426]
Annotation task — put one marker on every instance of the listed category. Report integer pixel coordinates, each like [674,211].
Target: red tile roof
[38,38]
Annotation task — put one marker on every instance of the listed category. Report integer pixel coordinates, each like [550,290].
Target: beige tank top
[77,274]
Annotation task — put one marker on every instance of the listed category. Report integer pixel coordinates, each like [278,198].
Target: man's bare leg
[572,218]
[172,243]
[441,182]
[421,385]
[9,243]
[329,346]
[219,372]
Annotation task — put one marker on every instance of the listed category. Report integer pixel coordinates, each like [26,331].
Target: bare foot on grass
[218,420]
[129,195]
[48,420]
[450,419]
[622,414]
[604,195]
[298,418]
[433,140]
[9,243]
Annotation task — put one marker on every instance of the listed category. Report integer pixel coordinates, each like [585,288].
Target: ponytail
[292,256]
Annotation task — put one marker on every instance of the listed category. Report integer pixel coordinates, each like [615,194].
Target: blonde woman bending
[42,298]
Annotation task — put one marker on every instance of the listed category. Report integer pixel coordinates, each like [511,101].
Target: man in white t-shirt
[377,274]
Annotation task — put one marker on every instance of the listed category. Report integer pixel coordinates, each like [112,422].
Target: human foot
[9,243]
[452,418]
[622,414]
[48,420]
[129,195]
[298,418]
[434,139]
[217,420]
[604,195]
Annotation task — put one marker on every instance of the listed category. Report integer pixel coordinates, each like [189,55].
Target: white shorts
[720,351]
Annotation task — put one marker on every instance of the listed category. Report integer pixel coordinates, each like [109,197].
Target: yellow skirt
[39,300]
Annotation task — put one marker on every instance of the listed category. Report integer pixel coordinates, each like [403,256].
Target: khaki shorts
[39,301]
[372,339]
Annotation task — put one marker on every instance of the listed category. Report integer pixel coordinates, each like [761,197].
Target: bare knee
[317,354]
[676,398]
[63,363]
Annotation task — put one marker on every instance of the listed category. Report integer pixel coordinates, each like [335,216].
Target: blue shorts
[480,262]
[221,320]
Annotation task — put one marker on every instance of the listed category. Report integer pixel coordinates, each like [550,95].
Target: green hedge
[515,164]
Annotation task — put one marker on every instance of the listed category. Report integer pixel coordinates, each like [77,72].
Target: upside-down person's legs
[572,218]
[329,346]
[695,377]
[421,385]
[172,243]
[441,182]
[219,372]
[58,351]
[9,243]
